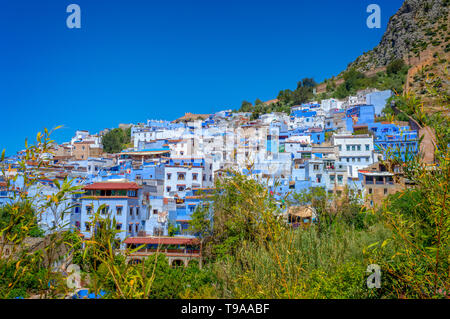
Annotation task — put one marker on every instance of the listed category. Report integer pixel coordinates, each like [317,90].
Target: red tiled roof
[113,186]
[162,240]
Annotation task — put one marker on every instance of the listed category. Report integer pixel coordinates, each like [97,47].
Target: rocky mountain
[418,27]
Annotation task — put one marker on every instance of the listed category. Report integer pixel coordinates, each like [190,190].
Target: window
[104,210]
[340,178]
[316,167]
[370,190]
[131,211]
[169,175]
[118,226]
[385,191]
[181,176]
[353,147]
[358,147]
[87,226]
[367,147]
[88,210]
[168,188]
[332,178]
[158,231]
[119,210]
[194,176]
[137,212]
[340,148]
[155,212]
[180,188]
[348,147]
[131,193]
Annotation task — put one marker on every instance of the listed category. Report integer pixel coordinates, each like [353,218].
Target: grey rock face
[406,31]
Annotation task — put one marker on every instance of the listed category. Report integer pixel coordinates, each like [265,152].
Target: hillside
[418,34]
[418,26]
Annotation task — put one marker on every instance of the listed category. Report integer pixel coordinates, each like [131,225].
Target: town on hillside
[168,169]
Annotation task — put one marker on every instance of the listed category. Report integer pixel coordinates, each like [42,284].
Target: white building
[355,150]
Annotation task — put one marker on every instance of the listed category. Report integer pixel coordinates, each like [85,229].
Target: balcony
[169,252]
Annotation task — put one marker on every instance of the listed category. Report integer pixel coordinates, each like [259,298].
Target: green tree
[246,107]
[115,140]
[33,265]
[395,66]
[419,217]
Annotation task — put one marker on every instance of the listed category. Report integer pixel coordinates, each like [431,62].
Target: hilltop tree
[258,102]
[304,91]
[308,82]
[285,96]
[115,140]
[246,107]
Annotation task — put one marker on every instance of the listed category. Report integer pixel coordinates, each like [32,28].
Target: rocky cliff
[417,27]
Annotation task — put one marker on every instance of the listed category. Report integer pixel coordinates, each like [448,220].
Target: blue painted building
[392,139]
[359,114]
[122,202]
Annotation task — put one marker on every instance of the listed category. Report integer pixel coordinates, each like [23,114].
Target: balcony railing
[169,252]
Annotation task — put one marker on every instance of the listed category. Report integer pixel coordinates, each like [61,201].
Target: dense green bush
[116,140]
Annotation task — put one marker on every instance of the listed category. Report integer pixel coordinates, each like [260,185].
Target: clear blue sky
[138,59]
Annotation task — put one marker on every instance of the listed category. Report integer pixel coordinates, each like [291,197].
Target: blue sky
[138,59]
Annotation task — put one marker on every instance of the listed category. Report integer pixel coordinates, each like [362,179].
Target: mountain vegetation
[285,100]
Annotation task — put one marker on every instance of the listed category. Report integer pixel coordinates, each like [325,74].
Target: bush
[115,140]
